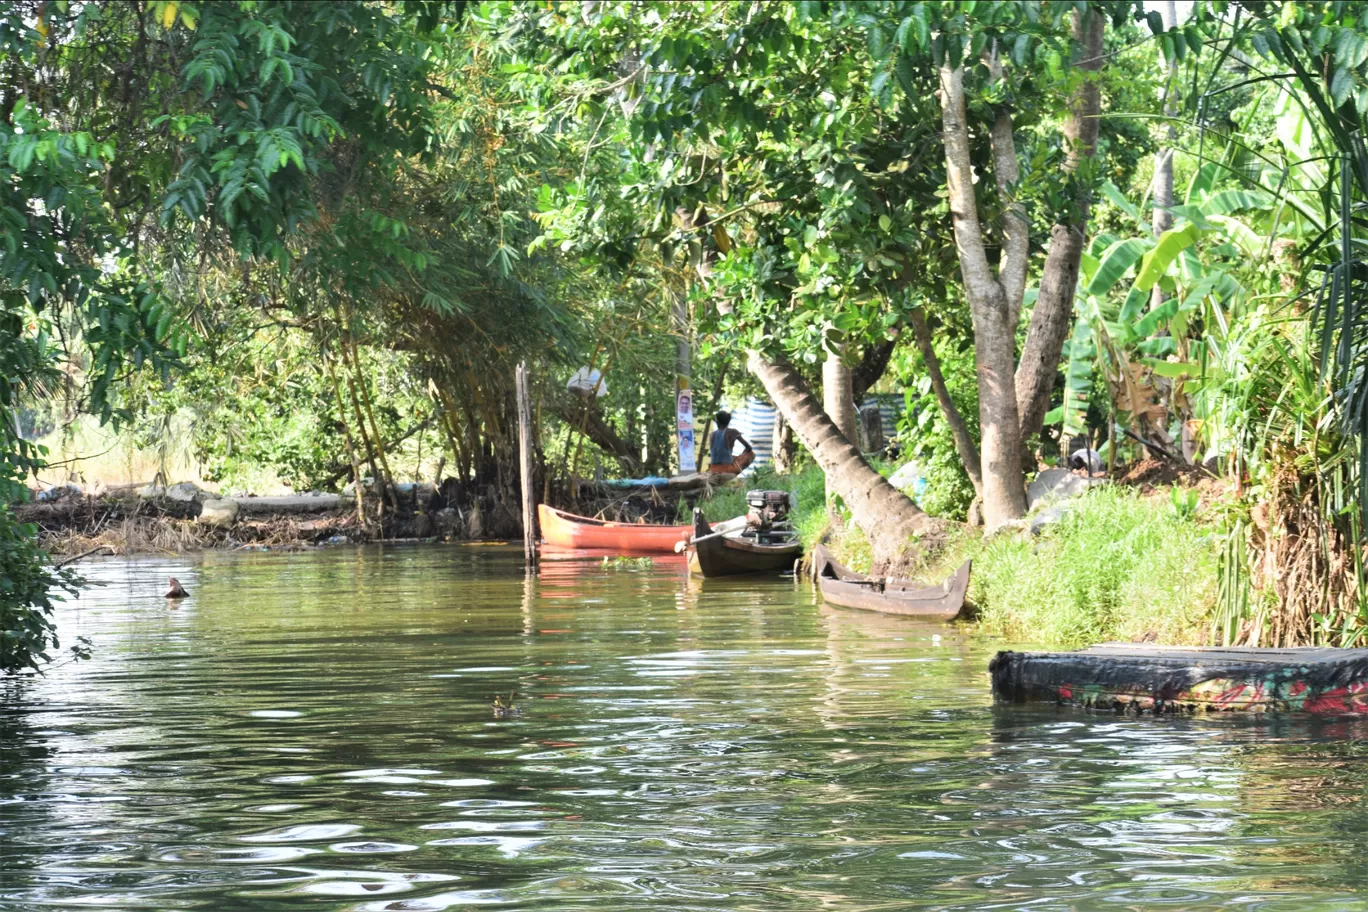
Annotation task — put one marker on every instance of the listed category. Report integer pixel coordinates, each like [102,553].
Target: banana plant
[1144,353]
[1237,204]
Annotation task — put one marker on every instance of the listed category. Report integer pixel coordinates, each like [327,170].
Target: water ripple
[315,731]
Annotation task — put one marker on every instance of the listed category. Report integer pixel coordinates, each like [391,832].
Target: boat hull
[1126,677]
[566,530]
[722,556]
[843,587]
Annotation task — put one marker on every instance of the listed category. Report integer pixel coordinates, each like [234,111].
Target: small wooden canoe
[844,587]
[1139,678]
[566,530]
[732,555]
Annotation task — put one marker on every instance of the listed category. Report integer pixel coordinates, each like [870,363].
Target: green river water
[314,731]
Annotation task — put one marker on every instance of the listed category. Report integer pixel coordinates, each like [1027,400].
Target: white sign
[688,457]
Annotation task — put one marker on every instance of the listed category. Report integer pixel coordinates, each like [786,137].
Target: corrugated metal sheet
[890,410]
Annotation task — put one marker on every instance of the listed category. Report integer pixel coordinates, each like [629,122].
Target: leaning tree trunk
[888,518]
[1052,316]
[588,415]
[959,430]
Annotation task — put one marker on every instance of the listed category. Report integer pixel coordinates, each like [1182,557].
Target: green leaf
[1078,378]
[1157,318]
[1132,307]
[1340,85]
[903,36]
[1197,292]
[1118,199]
[1234,200]
[1118,258]
[1203,180]
[1173,369]
[1251,242]
[1087,268]
[921,26]
[1157,261]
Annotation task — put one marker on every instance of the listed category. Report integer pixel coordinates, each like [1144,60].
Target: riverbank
[140,519]
[127,523]
[1131,560]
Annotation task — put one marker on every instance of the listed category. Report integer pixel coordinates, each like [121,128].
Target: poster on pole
[688,459]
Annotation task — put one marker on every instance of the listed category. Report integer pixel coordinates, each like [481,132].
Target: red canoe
[566,530]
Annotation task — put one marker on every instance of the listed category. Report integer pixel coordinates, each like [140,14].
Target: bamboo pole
[458,449]
[387,482]
[365,438]
[351,445]
[546,475]
[525,465]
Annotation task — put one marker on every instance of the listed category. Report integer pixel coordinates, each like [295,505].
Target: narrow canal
[316,731]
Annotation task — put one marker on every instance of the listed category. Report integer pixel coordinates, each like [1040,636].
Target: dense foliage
[139,141]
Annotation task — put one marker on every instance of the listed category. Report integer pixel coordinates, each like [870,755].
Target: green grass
[1120,566]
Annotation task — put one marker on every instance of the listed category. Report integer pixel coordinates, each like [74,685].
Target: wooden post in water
[529,506]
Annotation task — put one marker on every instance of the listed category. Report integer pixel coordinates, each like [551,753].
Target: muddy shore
[130,521]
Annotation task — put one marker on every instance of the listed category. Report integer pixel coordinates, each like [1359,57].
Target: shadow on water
[316,731]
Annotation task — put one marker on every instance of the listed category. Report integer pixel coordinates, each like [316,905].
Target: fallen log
[293,503]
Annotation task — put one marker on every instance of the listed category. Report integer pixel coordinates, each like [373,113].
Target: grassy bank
[1120,566]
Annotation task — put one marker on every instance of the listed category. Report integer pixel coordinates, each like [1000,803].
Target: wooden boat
[844,587]
[733,554]
[566,530]
[1141,678]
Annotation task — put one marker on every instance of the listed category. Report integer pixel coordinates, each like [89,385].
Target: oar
[723,528]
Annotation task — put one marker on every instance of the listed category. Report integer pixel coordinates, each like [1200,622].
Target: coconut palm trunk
[887,517]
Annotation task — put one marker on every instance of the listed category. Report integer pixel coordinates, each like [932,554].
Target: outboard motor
[767,516]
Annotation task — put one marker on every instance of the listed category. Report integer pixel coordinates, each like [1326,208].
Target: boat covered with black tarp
[1138,677]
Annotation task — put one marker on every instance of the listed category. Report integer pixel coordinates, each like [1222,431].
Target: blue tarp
[651,481]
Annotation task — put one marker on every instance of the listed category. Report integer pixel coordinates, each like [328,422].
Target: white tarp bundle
[586,381]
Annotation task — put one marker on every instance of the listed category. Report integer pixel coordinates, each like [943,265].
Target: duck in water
[504,709]
[174,589]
